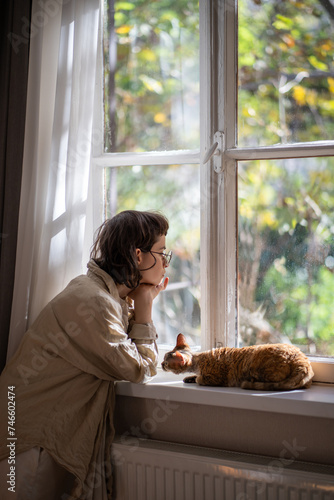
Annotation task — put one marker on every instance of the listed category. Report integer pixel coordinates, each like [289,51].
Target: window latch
[215,150]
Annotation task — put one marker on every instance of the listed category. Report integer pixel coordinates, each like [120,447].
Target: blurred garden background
[286,207]
[285,84]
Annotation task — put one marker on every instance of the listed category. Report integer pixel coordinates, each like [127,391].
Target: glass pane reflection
[286,72]
[286,253]
[151,72]
[174,190]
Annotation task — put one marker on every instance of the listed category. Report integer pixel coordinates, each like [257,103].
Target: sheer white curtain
[55,209]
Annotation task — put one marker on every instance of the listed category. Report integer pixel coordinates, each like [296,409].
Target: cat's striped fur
[261,367]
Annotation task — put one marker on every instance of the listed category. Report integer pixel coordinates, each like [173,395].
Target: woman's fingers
[165,283]
[149,290]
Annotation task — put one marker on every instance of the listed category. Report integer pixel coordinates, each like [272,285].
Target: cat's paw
[190,380]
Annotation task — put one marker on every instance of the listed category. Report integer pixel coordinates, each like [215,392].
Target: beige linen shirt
[64,370]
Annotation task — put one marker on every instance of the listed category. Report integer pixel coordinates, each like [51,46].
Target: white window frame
[218,113]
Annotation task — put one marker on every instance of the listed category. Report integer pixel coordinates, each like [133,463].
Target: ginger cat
[262,367]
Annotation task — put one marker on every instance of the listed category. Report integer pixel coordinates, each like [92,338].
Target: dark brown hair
[116,241]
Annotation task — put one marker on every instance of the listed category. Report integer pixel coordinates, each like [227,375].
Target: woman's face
[153,275]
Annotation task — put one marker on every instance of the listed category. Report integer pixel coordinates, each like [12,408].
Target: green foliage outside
[152,104]
[286,248]
[286,222]
[286,72]
[286,90]
[175,191]
[152,75]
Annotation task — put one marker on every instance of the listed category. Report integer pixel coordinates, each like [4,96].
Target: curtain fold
[57,153]
[14,58]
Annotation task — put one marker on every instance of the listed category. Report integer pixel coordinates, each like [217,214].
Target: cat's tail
[301,380]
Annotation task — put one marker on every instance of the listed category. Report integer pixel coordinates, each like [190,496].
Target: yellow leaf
[151,84]
[148,55]
[289,201]
[331,84]
[327,46]
[311,98]
[267,218]
[160,118]
[318,64]
[299,94]
[124,30]
[327,106]
[283,47]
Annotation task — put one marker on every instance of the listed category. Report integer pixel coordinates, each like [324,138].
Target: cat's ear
[179,357]
[181,340]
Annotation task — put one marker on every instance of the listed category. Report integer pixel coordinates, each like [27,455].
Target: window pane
[173,190]
[151,53]
[286,253]
[286,72]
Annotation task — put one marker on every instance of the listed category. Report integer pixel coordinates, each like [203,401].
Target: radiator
[153,470]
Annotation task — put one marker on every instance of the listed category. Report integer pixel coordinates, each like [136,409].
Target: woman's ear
[139,255]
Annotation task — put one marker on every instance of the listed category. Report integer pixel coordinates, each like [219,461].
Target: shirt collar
[94,271]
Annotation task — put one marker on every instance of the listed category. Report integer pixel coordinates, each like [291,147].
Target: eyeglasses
[166,256]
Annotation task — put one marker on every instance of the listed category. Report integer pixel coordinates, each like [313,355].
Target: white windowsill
[317,401]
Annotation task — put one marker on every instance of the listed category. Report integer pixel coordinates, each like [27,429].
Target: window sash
[219,231]
[284,151]
[148,158]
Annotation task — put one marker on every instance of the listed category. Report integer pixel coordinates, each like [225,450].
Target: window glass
[286,253]
[173,190]
[151,75]
[286,72]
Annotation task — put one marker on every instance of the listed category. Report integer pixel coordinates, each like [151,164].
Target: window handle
[215,150]
[212,151]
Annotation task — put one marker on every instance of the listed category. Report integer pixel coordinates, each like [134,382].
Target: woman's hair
[117,239]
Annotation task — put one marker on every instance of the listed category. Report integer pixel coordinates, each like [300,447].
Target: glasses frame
[166,256]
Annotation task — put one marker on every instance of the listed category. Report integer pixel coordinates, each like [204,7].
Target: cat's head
[179,358]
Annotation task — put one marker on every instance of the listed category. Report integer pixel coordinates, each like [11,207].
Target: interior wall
[283,436]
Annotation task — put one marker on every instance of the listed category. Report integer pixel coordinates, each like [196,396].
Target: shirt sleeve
[144,336]
[97,339]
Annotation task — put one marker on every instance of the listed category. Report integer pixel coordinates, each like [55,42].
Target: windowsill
[317,401]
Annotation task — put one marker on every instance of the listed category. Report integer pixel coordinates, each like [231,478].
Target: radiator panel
[163,471]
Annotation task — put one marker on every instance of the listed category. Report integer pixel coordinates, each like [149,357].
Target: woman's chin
[144,282]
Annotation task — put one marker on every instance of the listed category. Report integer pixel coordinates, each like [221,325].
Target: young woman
[56,444]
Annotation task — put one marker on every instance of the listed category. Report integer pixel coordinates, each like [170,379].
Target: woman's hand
[143,297]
